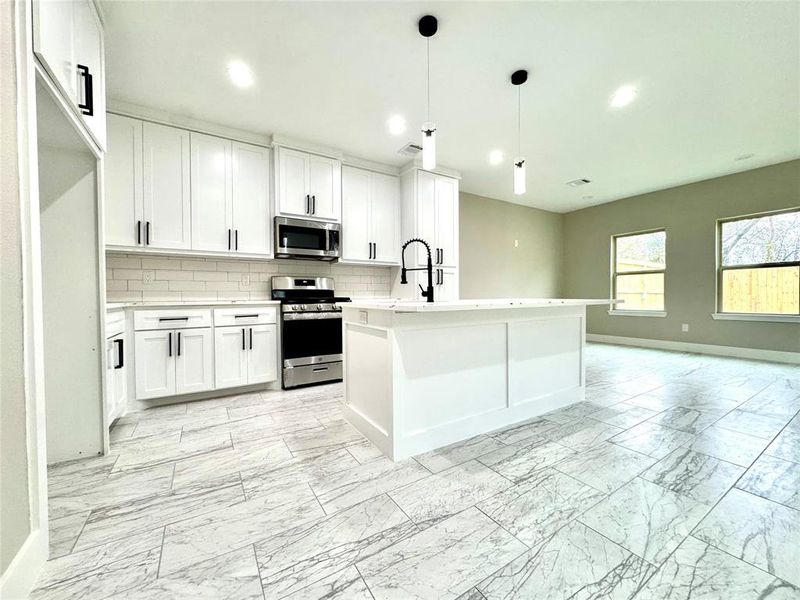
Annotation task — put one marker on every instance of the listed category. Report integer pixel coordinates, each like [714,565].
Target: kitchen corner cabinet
[370,217]
[174,361]
[229,196]
[68,41]
[307,185]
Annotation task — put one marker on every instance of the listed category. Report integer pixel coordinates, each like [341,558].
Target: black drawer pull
[120,354]
[87,108]
[162,319]
[244,316]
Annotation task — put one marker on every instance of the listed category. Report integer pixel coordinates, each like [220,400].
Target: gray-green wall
[14,500]
[491,266]
[689,214]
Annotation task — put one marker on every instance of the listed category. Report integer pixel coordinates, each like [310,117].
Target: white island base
[421,376]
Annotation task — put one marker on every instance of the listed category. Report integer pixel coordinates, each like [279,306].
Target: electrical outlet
[516,243]
[148,276]
[685,327]
[246,279]
[362,316]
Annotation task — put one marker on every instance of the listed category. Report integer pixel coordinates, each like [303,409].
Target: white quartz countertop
[112,306]
[406,306]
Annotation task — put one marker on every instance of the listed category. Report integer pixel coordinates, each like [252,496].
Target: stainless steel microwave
[300,238]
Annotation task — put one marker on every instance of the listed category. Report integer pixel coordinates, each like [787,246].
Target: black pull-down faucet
[426,293]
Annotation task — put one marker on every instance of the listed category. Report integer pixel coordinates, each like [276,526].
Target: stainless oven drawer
[295,376]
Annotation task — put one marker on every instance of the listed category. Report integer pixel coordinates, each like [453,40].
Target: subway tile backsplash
[136,278]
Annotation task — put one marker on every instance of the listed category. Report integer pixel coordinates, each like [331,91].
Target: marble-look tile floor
[678,477]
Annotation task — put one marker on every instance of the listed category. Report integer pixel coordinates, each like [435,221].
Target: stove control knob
[320,307]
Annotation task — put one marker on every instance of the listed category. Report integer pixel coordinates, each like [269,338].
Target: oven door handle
[311,316]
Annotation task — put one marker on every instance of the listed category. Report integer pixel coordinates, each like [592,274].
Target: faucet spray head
[403,278]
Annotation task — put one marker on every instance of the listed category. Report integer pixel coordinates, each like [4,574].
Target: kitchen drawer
[245,315]
[115,323]
[177,318]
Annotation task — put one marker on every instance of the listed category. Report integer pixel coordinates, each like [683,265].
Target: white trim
[755,317]
[416,164]
[180,252]
[21,575]
[369,165]
[636,313]
[752,353]
[284,141]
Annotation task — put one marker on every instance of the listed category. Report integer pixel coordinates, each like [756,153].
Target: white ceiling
[716,80]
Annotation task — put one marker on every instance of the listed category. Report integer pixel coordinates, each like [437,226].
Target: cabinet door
[262,353]
[292,182]
[212,208]
[251,198]
[52,42]
[88,52]
[111,388]
[155,364]
[325,184]
[355,214]
[166,186]
[230,359]
[385,218]
[426,215]
[194,363]
[120,378]
[447,220]
[123,182]
[447,289]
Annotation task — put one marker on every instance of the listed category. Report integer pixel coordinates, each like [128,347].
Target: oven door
[310,338]
[298,238]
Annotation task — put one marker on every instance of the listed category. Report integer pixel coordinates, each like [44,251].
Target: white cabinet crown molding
[284,141]
[416,164]
[369,165]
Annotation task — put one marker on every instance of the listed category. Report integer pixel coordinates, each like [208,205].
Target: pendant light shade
[428,26]
[519,175]
[517,79]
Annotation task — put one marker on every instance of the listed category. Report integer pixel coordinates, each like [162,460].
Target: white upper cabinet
[212,206]
[167,208]
[250,182]
[370,216]
[446,221]
[123,182]
[356,241]
[308,185]
[68,40]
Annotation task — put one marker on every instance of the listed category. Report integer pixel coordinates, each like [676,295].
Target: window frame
[754,316]
[620,309]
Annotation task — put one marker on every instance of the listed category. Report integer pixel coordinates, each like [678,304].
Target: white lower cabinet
[245,355]
[116,378]
[170,362]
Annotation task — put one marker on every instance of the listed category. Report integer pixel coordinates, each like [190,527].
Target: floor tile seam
[366,585]
[161,551]
[144,465]
[80,533]
[258,570]
[324,512]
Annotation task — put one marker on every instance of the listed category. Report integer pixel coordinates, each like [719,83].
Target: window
[639,261]
[759,264]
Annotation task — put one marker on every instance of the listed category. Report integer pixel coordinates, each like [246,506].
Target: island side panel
[367,356]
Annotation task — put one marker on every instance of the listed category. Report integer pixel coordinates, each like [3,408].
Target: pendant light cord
[519,120]
[428,47]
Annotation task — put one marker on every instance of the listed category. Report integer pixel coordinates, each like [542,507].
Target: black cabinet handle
[87,108]
[138,232]
[245,316]
[120,354]
[441,260]
[244,347]
[147,234]
[313,205]
[370,249]
[229,239]
[236,239]
[308,204]
[162,319]
[170,343]
[179,343]
[251,338]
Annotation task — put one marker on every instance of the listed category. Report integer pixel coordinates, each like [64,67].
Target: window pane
[772,290]
[775,238]
[641,252]
[641,292]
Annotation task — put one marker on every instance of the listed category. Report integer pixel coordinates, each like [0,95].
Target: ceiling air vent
[410,149]
[578,182]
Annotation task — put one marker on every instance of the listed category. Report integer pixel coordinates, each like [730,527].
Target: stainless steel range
[311,320]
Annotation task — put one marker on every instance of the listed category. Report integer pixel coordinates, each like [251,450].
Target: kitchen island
[420,376]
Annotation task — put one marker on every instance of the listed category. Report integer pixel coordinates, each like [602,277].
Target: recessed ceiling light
[744,156]
[396,125]
[623,96]
[496,157]
[241,75]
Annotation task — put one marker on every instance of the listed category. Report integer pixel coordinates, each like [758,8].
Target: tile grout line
[366,585]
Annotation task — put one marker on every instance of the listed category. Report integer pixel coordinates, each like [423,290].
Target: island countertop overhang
[405,306]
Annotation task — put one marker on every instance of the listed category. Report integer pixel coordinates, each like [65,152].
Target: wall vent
[578,182]
[410,149]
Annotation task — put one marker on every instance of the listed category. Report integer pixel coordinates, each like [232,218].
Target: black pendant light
[517,79]
[428,26]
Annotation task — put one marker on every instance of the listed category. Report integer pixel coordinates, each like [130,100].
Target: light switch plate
[685,327]
[363,316]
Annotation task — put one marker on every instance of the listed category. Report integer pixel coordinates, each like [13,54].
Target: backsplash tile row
[136,278]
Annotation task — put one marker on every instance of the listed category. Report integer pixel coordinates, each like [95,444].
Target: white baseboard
[753,353]
[21,575]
